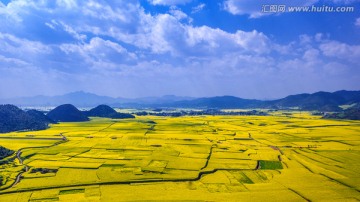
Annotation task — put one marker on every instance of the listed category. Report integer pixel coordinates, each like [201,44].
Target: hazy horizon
[194,48]
[160,96]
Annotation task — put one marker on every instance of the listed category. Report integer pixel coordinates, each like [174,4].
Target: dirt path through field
[21,161]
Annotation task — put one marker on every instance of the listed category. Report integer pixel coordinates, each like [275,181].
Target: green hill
[14,119]
[67,113]
[106,111]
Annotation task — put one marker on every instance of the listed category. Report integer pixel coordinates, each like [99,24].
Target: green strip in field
[269,165]
[72,191]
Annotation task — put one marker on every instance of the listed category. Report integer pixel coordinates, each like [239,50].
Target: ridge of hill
[67,113]
[108,112]
[14,119]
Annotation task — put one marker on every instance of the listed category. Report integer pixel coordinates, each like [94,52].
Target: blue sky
[181,47]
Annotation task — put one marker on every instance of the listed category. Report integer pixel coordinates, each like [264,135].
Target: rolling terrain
[289,156]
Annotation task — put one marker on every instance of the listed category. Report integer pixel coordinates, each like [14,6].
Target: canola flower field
[281,157]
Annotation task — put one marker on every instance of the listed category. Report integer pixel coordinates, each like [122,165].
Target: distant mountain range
[323,101]
[84,99]
[79,99]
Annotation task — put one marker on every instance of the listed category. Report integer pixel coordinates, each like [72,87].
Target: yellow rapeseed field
[290,156]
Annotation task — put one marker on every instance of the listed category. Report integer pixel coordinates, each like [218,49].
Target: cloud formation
[169,2]
[198,8]
[117,48]
[254,9]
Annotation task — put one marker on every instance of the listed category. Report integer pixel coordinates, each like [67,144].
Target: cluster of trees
[5,152]
[44,170]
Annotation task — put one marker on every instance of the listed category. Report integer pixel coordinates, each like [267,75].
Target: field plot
[291,157]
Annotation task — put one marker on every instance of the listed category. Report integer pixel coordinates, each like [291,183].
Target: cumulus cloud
[100,54]
[17,47]
[169,2]
[341,50]
[209,40]
[178,14]
[131,52]
[311,55]
[254,8]
[161,33]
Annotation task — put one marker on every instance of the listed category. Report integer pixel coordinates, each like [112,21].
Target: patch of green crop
[45,199]
[269,165]
[245,179]
[72,191]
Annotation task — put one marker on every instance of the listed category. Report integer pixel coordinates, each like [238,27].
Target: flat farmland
[280,157]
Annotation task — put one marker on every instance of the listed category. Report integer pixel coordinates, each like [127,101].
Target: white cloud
[357,22]
[132,51]
[11,62]
[68,4]
[217,41]
[169,2]
[162,33]
[104,12]
[254,8]
[178,14]
[311,55]
[72,32]
[50,25]
[198,8]
[341,50]
[13,45]
[346,2]
[335,68]
[100,53]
